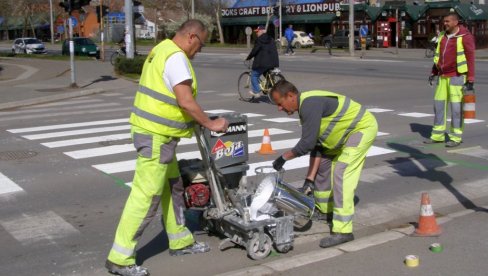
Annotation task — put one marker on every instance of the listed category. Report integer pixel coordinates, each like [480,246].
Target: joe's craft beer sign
[288,9]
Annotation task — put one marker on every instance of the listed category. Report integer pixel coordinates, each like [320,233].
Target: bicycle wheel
[244,86]
[274,79]
[113,57]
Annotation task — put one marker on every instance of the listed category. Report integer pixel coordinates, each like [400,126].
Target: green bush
[129,66]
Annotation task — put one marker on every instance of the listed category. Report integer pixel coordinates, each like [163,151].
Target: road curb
[275,267]
[51,98]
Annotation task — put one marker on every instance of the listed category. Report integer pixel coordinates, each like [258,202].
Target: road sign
[74,21]
[363,31]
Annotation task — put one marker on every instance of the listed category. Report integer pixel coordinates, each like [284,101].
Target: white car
[300,39]
[28,45]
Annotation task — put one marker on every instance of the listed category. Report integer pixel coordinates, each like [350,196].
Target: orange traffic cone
[469,106]
[427,226]
[266,144]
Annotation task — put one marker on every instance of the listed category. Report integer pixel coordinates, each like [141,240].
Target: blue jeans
[289,47]
[255,74]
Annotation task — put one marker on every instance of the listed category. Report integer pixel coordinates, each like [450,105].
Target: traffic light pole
[129,29]
[102,51]
[72,53]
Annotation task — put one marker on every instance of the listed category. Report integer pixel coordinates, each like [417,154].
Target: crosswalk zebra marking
[470,121]
[61,114]
[73,125]
[38,110]
[71,102]
[379,110]
[282,120]
[218,111]
[476,151]
[416,114]
[251,115]
[8,186]
[382,133]
[75,132]
[32,228]
[89,140]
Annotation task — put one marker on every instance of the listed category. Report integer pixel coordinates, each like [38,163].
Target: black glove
[278,163]
[469,86]
[431,79]
[307,187]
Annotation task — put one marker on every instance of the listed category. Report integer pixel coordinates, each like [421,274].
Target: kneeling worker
[345,131]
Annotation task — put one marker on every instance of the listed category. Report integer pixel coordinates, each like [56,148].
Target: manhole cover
[16,155]
[116,142]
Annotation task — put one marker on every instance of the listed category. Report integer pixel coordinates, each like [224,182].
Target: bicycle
[119,53]
[266,81]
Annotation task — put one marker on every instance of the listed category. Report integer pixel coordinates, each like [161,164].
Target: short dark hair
[453,14]
[284,86]
[192,25]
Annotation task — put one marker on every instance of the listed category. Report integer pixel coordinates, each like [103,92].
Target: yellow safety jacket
[462,63]
[155,106]
[334,129]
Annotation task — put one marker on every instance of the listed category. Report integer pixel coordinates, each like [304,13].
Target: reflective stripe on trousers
[338,176]
[156,182]
[448,92]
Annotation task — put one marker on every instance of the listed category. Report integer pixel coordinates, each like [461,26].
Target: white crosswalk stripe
[53,127]
[7,185]
[75,132]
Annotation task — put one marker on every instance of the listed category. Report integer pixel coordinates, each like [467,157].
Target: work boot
[197,247]
[452,144]
[130,270]
[430,141]
[335,239]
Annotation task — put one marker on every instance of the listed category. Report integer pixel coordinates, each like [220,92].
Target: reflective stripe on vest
[334,129]
[461,62]
[155,106]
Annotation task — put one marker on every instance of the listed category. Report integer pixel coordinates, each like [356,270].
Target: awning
[415,12]
[244,20]
[471,12]
[310,18]
[373,12]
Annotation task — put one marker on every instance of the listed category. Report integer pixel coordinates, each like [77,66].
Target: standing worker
[289,35]
[454,64]
[345,131]
[265,57]
[164,111]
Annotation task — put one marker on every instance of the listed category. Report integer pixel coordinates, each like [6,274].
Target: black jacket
[264,53]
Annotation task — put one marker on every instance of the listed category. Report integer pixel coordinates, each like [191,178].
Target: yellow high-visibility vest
[155,108]
[462,63]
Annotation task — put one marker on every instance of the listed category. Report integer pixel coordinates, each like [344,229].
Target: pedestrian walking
[289,35]
[455,69]
[344,131]
[164,111]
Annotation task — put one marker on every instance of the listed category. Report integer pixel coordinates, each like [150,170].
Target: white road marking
[477,151]
[251,115]
[72,102]
[89,140]
[416,114]
[218,111]
[8,186]
[62,126]
[63,108]
[60,114]
[28,229]
[282,120]
[379,110]
[75,132]
[470,121]
[382,133]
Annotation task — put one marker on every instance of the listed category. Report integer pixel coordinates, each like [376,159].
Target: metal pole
[351,27]
[129,31]
[51,18]
[72,52]
[102,52]
[281,30]
[192,9]
[396,31]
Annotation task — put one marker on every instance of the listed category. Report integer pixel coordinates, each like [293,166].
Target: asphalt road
[73,184]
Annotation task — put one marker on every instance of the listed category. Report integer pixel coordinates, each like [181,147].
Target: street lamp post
[351,27]
[51,19]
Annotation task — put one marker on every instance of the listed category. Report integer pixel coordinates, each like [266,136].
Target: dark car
[83,46]
[341,40]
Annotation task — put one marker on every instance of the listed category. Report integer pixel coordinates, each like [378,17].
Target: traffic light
[100,15]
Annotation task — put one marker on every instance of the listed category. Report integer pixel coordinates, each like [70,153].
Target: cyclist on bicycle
[265,57]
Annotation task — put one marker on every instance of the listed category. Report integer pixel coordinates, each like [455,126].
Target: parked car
[28,45]
[83,46]
[300,39]
[341,40]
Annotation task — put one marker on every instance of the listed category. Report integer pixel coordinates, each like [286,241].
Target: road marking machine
[257,215]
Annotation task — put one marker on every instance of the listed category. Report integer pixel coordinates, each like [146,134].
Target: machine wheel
[284,248]
[253,247]
[244,86]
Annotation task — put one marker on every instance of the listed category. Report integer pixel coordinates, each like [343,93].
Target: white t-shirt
[176,70]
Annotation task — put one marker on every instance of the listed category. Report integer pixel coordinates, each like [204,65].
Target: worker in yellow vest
[164,111]
[339,132]
[454,64]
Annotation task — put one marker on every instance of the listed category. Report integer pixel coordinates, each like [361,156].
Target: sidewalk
[464,240]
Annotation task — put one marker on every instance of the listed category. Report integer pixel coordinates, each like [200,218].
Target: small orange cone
[266,144]
[427,226]
[469,102]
